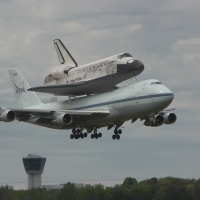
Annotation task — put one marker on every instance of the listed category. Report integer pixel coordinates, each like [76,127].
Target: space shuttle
[99,76]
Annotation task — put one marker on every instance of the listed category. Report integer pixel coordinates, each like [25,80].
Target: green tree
[68,192]
[129,182]
[6,192]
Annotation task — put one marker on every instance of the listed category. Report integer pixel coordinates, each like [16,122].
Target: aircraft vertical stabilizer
[20,86]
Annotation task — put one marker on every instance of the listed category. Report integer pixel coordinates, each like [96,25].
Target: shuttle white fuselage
[109,66]
[95,77]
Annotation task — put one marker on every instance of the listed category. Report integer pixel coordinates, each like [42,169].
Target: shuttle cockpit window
[124,55]
[156,83]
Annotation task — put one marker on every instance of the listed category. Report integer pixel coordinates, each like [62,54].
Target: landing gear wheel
[85,134]
[96,135]
[114,137]
[115,131]
[77,136]
[120,131]
[100,135]
[73,131]
[78,130]
[72,136]
[118,137]
[81,135]
[92,136]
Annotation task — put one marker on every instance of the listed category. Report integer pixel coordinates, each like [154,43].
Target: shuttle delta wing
[64,55]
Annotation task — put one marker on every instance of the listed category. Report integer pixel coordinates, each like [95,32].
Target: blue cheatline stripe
[124,100]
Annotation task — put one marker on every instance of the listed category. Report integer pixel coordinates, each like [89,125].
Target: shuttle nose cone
[131,67]
[135,66]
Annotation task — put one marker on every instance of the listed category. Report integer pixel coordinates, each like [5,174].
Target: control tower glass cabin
[34,166]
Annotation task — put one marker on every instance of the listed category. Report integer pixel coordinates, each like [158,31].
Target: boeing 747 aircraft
[145,100]
[71,79]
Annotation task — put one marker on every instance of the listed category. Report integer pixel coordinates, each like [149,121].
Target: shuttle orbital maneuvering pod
[145,100]
[92,78]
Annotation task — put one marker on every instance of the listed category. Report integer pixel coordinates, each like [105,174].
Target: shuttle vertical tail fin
[64,55]
[24,98]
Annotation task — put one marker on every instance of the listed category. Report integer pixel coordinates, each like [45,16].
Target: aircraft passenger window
[156,83]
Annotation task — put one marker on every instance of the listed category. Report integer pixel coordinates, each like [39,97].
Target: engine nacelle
[8,116]
[154,121]
[159,120]
[169,118]
[64,119]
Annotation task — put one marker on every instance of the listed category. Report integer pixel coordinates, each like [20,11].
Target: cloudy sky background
[164,35]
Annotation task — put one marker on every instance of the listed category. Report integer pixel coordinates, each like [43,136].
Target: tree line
[168,188]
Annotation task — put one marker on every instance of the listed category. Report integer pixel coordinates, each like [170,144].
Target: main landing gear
[117,133]
[95,134]
[78,133]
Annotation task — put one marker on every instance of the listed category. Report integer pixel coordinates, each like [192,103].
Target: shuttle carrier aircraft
[145,100]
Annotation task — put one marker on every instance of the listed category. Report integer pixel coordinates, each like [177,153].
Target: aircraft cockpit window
[157,83]
[124,55]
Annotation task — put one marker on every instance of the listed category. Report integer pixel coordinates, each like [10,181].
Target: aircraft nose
[136,66]
[166,92]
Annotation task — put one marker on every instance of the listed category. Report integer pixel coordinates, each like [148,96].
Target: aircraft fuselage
[129,102]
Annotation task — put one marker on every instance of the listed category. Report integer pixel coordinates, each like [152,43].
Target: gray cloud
[164,37]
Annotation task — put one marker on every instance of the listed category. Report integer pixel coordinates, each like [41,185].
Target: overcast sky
[164,35]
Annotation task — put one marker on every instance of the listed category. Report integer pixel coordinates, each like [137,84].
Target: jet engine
[8,116]
[154,121]
[64,119]
[169,118]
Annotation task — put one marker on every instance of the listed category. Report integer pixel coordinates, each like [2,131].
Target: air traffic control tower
[34,166]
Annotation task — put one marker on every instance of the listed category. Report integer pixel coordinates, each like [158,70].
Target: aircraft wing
[92,86]
[22,114]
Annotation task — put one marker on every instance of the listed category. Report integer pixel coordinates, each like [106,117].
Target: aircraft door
[113,105]
[137,98]
[136,95]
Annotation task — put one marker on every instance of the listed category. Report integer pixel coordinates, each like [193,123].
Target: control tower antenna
[34,166]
